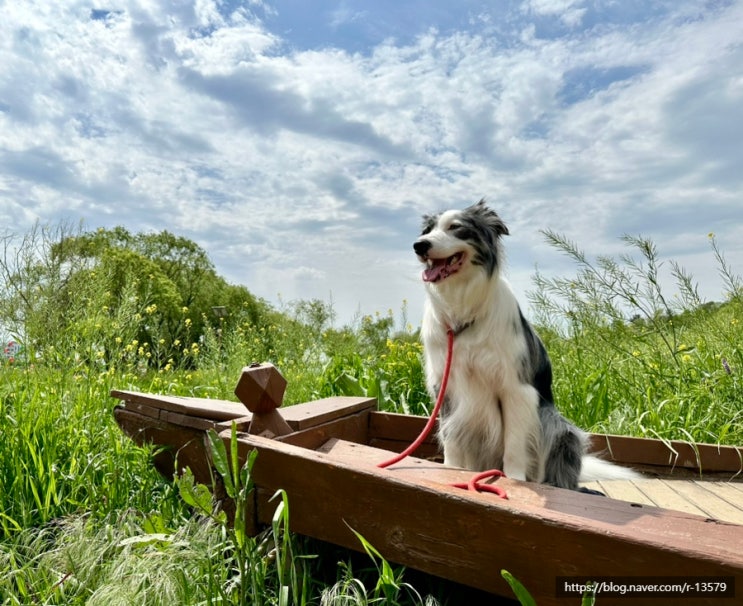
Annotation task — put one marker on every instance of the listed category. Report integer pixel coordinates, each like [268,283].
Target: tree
[60,284]
[33,283]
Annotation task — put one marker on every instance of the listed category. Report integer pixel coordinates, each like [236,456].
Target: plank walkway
[718,500]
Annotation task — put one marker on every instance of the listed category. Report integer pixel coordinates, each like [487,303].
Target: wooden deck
[717,500]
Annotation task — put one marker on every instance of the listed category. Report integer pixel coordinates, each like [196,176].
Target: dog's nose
[421,247]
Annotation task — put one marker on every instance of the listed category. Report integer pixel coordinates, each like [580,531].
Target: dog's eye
[453,226]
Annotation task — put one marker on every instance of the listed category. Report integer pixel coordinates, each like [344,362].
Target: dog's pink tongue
[435,272]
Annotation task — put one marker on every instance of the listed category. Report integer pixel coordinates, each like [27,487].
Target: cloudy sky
[299,142]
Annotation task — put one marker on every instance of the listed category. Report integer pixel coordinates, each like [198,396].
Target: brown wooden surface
[298,416]
[395,432]
[709,500]
[310,414]
[674,454]
[178,423]
[354,428]
[720,500]
[410,514]
[180,442]
[655,457]
[214,410]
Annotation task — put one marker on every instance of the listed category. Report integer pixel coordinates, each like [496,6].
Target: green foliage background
[84,517]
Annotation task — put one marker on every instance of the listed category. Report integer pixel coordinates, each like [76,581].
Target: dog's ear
[429,222]
[493,221]
[498,226]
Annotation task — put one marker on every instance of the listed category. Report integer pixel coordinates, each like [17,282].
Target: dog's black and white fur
[498,412]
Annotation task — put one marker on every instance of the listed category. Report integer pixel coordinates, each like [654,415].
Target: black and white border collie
[498,412]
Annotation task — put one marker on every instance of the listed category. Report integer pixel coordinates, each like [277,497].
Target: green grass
[85,518]
[674,370]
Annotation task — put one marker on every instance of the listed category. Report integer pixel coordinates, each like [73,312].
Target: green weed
[388,589]
[86,519]
[630,358]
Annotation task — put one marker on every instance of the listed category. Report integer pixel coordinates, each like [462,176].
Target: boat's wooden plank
[711,504]
[301,417]
[427,450]
[182,420]
[663,495]
[413,517]
[726,492]
[240,423]
[142,409]
[217,410]
[298,416]
[674,453]
[671,494]
[390,426]
[394,431]
[625,491]
[310,414]
[354,428]
[736,485]
[561,501]
[182,444]
[536,497]
[732,492]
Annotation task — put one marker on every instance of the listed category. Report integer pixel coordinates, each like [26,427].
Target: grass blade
[218,453]
[521,593]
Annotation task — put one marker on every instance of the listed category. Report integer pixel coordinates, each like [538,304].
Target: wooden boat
[682,524]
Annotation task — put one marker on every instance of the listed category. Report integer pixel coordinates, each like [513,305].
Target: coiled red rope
[476,482]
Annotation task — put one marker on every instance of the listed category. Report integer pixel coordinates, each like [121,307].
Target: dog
[498,410]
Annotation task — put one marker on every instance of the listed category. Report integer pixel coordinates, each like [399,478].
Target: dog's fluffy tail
[594,469]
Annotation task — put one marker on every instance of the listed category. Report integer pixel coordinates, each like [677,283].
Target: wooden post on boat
[261,388]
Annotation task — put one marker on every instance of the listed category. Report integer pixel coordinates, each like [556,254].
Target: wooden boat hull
[413,516]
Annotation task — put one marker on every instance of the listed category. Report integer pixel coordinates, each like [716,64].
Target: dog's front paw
[585,490]
[515,474]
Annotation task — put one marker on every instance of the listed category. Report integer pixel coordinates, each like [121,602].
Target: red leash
[475,482]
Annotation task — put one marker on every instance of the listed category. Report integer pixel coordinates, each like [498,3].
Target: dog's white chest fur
[485,399]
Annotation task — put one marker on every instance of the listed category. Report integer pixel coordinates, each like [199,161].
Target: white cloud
[570,12]
[344,15]
[304,171]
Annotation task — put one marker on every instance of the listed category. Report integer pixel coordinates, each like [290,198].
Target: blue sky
[300,142]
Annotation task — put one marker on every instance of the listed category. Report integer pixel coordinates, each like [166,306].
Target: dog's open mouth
[438,269]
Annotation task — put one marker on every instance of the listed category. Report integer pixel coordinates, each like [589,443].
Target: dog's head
[456,242]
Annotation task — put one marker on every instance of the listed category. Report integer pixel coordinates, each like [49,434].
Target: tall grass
[84,516]
[631,358]
[60,452]
[86,519]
